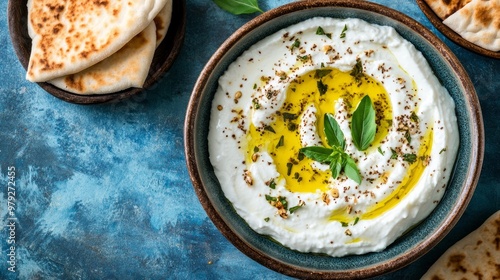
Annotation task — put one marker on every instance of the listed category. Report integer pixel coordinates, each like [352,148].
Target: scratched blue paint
[103,191]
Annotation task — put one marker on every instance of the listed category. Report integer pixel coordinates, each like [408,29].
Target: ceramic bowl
[451,34]
[163,58]
[404,250]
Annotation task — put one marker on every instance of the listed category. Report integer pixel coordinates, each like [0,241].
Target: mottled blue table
[102,192]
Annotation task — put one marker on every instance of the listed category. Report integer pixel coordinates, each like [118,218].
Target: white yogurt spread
[271,102]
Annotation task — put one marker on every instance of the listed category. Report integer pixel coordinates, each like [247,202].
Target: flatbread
[126,68]
[444,8]
[476,256]
[162,22]
[69,36]
[479,23]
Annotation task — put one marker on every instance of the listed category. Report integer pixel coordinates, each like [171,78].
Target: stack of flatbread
[476,256]
[477,21]
[95,47]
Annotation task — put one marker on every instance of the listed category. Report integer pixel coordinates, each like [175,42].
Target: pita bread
[476,256]
[69,36]
[444,8]
[479,23]
[162,22]
[126,68]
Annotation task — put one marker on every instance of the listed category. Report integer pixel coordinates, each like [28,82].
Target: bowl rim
[475,163]
[451,34]
[170,48]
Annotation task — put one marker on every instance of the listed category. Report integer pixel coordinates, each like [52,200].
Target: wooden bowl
[162,61]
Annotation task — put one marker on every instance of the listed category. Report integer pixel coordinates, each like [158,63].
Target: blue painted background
[102,192]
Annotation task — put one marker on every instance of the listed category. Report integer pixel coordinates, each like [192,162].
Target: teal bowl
[405,249]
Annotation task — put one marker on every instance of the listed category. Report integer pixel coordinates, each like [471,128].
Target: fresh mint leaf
[363,126]
[317,153]
[238,7]
[334,135]
[336,164]
[351,170]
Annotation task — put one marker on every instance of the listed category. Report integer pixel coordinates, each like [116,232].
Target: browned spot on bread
[435,277]
[101,2]
[72,82]
[57,28]
[455,262]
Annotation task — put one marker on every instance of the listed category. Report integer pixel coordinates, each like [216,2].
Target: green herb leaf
[344,224]
[322,88]
[269,128]
[295,44]
[336,165]
[442,150]
[281,142]
[317,153]
[351,170]
[271,198]
[283,201]
[267,219]
[320,31]
[356,221]
[363,126]
[289,166]
[255,103]
[357,71]
[300,156]
[272,184]
[342,34]
[239,7]
[414,117]
[334,135]
[380,151]
[294,208]
[408,136]
[320,73]
[288,116]
[411,158]
[303,58]
[394,154]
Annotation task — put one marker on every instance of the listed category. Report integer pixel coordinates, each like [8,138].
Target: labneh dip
[303,85]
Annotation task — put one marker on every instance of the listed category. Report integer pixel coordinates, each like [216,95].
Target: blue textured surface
[102,192]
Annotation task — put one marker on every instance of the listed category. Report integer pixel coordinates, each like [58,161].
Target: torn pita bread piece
[162,22]
[69,36]
[476,256]
[479,23]
[444,8]
[124,69]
